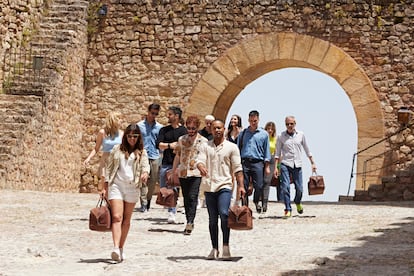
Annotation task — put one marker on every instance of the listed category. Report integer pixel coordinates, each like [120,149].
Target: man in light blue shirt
[150,128]
[254,148]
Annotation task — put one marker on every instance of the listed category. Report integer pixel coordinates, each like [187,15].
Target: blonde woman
[270,127]
[107,137]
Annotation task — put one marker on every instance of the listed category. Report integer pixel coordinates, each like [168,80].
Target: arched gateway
[252,58]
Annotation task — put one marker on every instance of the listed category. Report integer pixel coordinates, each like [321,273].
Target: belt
[252,160]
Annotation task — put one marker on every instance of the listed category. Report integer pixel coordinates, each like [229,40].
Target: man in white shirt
[289,147]
[218,160]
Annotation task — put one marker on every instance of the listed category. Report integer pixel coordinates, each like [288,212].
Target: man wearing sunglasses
[150,129]
[186,153]
[289,147]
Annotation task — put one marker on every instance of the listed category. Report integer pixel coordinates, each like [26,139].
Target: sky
[323,112]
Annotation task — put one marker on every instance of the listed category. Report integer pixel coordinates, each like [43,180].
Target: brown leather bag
[275,181]
[172,179]
[316,184]
[240,217]
[100,218]
[167,197]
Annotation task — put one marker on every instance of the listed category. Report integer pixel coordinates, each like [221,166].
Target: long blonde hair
[112,124]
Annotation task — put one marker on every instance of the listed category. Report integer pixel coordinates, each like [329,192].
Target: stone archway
[252,58]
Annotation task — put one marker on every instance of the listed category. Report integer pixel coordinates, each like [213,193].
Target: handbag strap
[103,199]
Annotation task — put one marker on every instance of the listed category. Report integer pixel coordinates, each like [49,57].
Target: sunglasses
[133,136]
[154,113]
[290,124]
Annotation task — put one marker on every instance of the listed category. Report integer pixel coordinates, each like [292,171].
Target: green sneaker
[288,214]
[299,208]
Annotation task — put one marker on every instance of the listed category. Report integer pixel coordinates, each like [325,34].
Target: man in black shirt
[167,141]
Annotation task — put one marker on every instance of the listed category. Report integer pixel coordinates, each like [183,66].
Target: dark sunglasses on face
[133,136]
[290,124]
[154,113]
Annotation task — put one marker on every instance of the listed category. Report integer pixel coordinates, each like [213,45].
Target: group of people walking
[217,163]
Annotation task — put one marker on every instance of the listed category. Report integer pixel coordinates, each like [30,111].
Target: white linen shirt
[289,148]
[221,162]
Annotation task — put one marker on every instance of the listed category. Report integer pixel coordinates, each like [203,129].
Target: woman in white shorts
[126,170]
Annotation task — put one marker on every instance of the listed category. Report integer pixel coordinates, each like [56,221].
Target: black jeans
[190,189]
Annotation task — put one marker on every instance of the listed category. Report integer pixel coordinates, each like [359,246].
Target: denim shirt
[255,144]
[150,136]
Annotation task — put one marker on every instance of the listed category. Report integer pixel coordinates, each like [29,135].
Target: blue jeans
[296,173]
[255,171]
[218,204]
[163,183]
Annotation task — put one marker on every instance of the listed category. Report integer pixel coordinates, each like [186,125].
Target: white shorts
[126,192]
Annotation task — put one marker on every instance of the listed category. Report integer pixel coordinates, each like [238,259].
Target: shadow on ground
[389,253]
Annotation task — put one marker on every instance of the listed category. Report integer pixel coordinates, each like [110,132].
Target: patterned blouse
[188,152]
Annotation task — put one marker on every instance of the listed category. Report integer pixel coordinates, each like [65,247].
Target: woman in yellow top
[270,127]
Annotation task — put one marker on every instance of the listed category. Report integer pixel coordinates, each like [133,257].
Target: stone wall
[158,51]
[46,155]
[147,51]
[18,19]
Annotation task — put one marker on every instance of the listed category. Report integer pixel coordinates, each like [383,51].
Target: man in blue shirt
[255,154]
[150,128]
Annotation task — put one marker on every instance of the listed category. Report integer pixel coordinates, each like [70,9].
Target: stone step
[14,116]
[60,26]
[11,129]
[8,141]
[19,102]
[4,149]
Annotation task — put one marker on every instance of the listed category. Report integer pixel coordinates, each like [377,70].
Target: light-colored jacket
[141,165]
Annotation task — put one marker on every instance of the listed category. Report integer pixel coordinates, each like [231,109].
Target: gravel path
[47,234]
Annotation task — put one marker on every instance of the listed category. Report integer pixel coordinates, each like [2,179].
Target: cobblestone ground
[47,234]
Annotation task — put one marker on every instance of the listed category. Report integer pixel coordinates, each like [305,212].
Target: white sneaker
[116,255]
[123,255]
[171,218]
[199,204]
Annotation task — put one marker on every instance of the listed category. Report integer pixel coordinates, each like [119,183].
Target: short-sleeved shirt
[168,134]
[189,151]
[150,135]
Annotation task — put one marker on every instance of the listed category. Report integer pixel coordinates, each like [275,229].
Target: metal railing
[389,164]
[23,70]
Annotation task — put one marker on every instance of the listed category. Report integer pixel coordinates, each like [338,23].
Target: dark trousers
[255,171]
[190,187]
[218,204]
